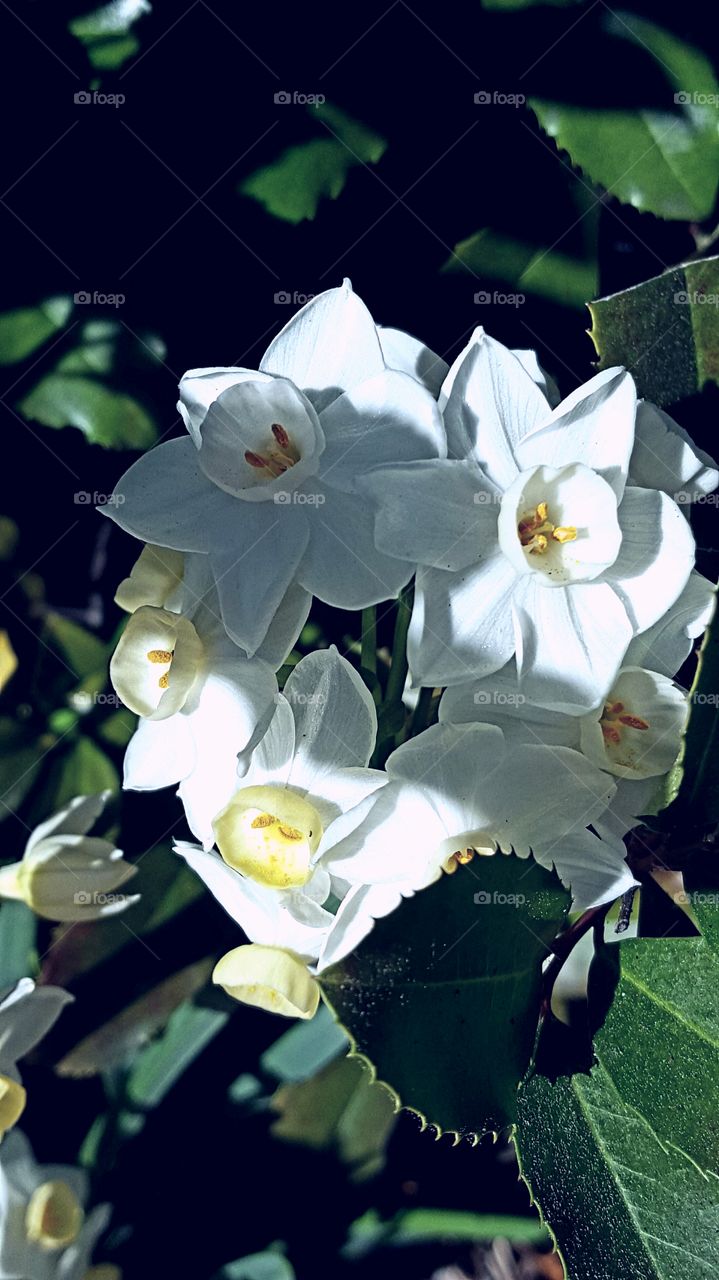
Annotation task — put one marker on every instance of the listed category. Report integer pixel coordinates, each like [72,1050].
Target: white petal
[461,622]
[273,757]
[328,346]
[235,696]
[200,387]
[594,425]
[645,749]
[656,556]
[74,820]
[355,919]
[497,699]
[388,418]
[490,402]
[346,798]
[27,1013]
[539,794]
[407,354]
[253,573]
[530,361]
[666,645]
[160,753]
[335,718]
[571,642]
[285,626]
[665,457]
[435,512]
[450,763]
[155,575]
[342,565]
[165,499]
[594,869]
[398,842]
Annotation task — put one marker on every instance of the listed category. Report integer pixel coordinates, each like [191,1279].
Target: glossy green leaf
[18,929]
[189,1030]
[106,32]
[523,268]
[665,161]
[665,331]
[443,996]
[104,416]
[84,652]
[422,1226]
[26,330]
[20,760]
[292,186]
[259,1266]
[624,1162]
[83,771]
[305,1049]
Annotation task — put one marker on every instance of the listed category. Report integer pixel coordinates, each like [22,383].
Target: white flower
[27,1013]
[203,703]
[265,483]
[67,875]
[637,733]
[666,646]
[531,541]
[457,790]
[307,786]
[45,1233]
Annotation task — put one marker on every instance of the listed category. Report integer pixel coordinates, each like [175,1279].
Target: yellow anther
[542,510]
[463,856]
[564,533]
[537,545]
[290,833]
[160,656]
[164,681]
[262,820]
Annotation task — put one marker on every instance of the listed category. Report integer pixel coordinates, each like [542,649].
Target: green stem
[369,639]
[398,670]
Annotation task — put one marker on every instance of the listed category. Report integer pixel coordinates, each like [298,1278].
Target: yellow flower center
[278,457]
[615,718]
[269,834]
[12,1103]
[484,848]
[535,529]
[163,657]
[54,1216]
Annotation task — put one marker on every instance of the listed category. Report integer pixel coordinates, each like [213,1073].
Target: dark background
[95,211]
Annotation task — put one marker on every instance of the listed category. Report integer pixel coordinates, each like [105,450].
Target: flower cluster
[555,600]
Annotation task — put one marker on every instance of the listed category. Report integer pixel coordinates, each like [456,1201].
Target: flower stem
[422,711]
[398,670]
[369,639]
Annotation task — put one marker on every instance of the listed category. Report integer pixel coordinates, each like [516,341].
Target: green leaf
[104,416]
[259,1266]
[20,760]
[118,729]
[83,771]
[642,1128]
[305,1049]
[23,331]
[18,929]
[443,996]
[292,186]
[663,161]
[189,1030]
[421,1226]
[106,32]
[524,267]
[82,650]
[665,331]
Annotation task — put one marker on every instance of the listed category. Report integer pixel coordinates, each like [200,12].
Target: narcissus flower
[665,457]
[27,1013]
[66,875]
[45,1232]
[203,703]
[266,482]
[532,543]
[456,791]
